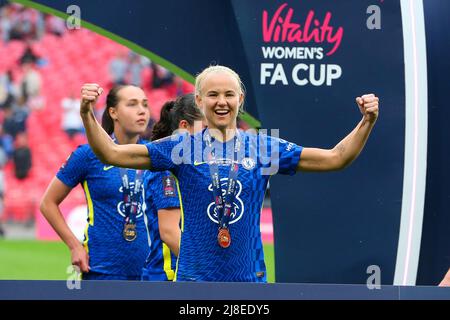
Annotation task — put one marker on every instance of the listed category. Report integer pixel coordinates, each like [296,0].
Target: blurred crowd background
[42,67]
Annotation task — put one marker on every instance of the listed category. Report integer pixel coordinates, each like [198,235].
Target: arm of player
[446,281]
[169,228]
[130,156]
[56,192]
[314,159]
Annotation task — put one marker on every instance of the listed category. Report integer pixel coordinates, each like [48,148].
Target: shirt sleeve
[168,153]
[75,169]
[289,154]
[279,156]
[163,189]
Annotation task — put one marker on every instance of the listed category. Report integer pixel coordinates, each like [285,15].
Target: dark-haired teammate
[116,239]
[162,195]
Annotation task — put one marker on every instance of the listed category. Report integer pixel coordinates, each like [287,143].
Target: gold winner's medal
[224,238]
[129,231]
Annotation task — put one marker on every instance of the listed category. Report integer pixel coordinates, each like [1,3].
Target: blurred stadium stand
[66,66]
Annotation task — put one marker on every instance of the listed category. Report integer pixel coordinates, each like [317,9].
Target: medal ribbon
[131,198]
[223,205]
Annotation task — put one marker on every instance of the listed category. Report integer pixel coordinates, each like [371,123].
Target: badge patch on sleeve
[169,186]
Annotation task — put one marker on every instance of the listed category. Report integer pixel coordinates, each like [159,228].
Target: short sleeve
[168,153]
[75,169]
[289,154]
[278,155]
[163,189]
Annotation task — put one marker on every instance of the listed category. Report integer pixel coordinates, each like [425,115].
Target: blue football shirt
[200,257]
[161,193]
[109,253]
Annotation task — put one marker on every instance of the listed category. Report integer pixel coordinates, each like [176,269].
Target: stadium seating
[66,63]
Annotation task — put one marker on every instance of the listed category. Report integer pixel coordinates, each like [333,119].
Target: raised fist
[368,105]
[89,95]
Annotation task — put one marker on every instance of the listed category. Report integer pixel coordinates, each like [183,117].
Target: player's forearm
[351,146]
[172,239]
[100,142]
[55,218]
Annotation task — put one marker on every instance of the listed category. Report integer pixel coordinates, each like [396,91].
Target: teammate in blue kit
[116,239]
[223,174]
[162,198]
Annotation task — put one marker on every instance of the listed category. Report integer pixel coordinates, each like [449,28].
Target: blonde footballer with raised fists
[223,175]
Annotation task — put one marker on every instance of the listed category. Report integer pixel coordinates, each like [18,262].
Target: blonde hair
[218,68]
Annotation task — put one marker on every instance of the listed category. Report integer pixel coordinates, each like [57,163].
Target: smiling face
[131,114]
[219,95]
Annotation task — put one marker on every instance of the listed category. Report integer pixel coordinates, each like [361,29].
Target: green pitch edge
[251,121]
